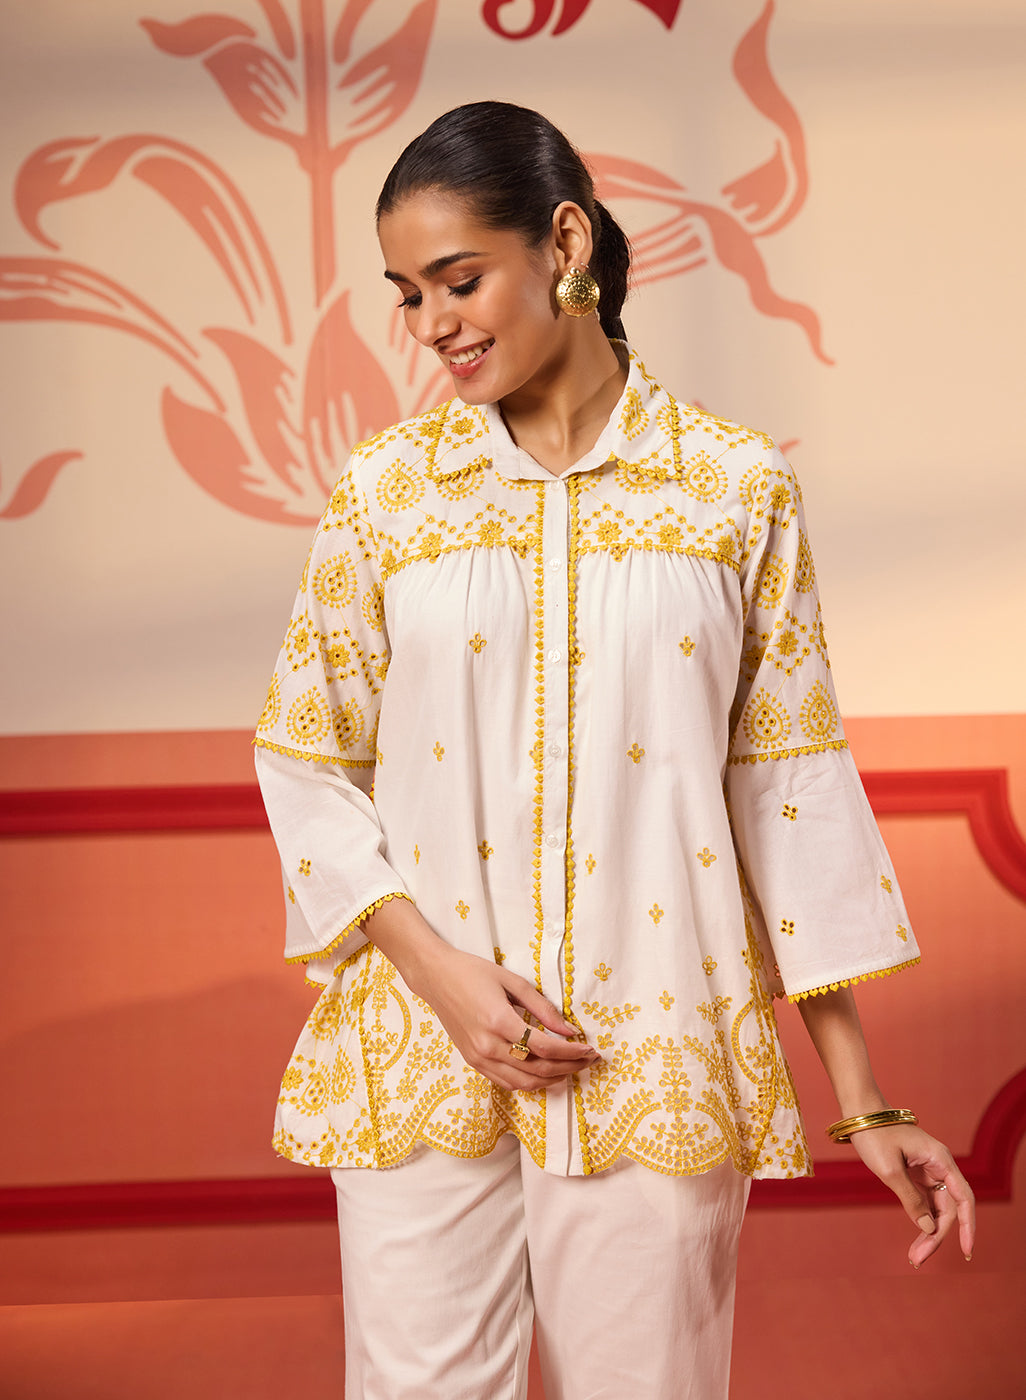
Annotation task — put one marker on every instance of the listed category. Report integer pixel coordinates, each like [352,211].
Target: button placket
[555,784]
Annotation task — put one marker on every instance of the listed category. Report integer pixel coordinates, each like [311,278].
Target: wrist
[407,940]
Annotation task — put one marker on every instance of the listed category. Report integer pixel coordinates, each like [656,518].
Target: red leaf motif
[666,10]
[693,234]
[266,385]
[260,89]
[381,83]
[48,289]
[211,453]
[195,188]
[347,396]
[192,36]
[31,491]
[280,27]
[769,196]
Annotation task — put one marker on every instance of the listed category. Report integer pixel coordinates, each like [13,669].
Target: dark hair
[513,167]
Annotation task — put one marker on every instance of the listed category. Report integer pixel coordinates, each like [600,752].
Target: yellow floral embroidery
[709,965]
[791,813]
[304,866]
[705,856]
[484,850]
[704,478]
[902,933]
[610,1015]
[309,718]
[416,855]
[885,884]
[439,752]
[772,582]
[602,972]
[272,706]
[818,716]
[400,486]
[655,913]
[712,1011]
[500,956]
[348,723]
[478,642]
[787,926]
[373,607]
[462,908]
[804,571]
[633,419]
[666,1000]
[765,721]
[687,646]
[334,583]
[635,753]
[292,895]
[590,863]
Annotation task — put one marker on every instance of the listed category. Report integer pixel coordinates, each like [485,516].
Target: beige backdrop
[827,202]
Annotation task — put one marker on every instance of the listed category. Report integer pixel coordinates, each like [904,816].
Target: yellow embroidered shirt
[605,749]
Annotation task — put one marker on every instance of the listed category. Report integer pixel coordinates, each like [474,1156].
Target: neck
[559,421]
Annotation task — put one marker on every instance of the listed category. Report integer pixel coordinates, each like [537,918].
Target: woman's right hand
[480,1004]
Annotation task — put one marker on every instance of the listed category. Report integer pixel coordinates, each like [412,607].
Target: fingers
[933,1193]
[521,993]
[954,1206]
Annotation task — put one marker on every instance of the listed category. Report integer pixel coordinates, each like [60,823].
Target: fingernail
[927,1224]
[915,1266]
[968,1258]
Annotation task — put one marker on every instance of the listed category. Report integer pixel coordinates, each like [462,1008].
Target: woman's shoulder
[424,440]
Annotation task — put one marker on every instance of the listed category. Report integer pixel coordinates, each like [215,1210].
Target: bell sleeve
[316,742]
[808,843]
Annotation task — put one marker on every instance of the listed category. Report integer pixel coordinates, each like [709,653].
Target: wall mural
[313,83]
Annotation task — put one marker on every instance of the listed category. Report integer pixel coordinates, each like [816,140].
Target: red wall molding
[979,794]
[309,1196]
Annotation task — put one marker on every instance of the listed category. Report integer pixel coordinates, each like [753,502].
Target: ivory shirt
[605,750]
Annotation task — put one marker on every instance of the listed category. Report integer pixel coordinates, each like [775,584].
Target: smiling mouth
[465,357]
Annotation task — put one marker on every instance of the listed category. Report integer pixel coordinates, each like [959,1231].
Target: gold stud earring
[577,292]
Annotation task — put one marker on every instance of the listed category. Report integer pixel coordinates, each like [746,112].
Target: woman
[568,627]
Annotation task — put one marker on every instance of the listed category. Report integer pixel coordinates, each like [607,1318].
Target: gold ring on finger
[518,1048]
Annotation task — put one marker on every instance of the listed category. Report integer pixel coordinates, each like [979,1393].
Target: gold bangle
[886,1118]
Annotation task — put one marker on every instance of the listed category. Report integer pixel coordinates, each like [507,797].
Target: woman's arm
[914,1165]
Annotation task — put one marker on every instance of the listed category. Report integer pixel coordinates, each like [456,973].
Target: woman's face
[478,297]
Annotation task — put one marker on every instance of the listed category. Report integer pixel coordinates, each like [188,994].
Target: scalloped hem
[788,753]
[347,932]
[259,743]
[851,981]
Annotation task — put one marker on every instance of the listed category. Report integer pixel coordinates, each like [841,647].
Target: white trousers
[627,1277]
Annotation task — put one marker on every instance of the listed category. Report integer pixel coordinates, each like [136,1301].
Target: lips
[465,362]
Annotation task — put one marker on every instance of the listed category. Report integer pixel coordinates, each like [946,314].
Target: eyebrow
[435,267]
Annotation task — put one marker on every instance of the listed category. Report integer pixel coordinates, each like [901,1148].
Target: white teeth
[465,356]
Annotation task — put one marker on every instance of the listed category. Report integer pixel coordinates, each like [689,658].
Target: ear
[571,236]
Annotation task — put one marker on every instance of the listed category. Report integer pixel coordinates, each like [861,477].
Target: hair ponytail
[513,168]
[610,266]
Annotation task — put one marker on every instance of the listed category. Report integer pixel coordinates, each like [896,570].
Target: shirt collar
[460,435]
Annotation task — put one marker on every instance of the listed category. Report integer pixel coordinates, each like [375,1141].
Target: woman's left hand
[922,1174]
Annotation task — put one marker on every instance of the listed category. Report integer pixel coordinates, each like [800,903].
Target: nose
[437,320]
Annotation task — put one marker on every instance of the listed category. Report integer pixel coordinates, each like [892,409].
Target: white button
[555,750]
[552,839]
[555,563]
[555,654]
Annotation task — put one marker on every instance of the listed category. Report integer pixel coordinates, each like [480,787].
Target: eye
[410,303]
[464,289]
